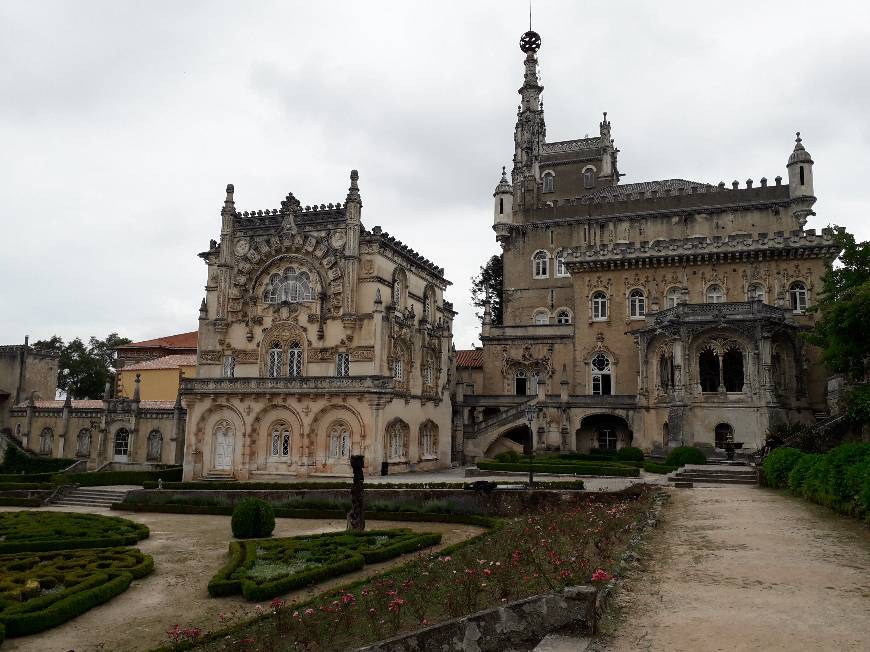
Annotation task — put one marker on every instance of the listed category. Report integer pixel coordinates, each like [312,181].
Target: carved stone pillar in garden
[356,516]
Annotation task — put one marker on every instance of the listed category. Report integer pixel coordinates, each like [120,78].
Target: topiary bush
[779,464]
[508,456]
[630,454]
[253,518]
[682,455]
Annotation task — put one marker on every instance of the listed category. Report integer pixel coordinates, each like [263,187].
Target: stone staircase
[90,497]
[716,473]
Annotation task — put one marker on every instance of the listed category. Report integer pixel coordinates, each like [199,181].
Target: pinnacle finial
[354,177]
[797,137]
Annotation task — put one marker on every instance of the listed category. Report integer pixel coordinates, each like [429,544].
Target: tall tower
[530,132]
[800,181]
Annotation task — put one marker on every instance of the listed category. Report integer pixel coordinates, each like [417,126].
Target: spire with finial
[800,154]
[136,391]
[353,191]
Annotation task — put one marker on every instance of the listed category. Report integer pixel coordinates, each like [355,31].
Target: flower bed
[264,568]
[39,590]
[540,552]
[38,531]
[566,468]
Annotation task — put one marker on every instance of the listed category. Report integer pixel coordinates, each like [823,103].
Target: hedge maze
[265,568]
[56,565]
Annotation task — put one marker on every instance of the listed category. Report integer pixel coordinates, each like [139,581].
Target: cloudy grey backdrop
[121,122]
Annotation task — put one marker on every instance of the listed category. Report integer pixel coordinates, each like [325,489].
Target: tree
[844,307]
[83,370]
[489,285]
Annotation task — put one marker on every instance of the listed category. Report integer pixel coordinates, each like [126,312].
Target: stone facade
[653,314]
[25,373]
[318,339]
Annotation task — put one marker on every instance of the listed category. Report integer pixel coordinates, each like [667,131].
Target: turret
[503,200]
[800,182]
[800,171]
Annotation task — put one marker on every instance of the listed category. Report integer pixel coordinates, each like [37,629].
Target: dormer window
[549,181]
[589,179]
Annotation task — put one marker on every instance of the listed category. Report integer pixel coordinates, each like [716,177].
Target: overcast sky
[121,122]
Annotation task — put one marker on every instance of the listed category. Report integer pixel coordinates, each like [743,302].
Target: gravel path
[187,551]
[742,568]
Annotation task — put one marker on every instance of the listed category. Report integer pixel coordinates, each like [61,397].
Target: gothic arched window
[599,306]
[279,445]
[715,294]
[155,445]
[292,286]
[636,304]
[601,375]
[121,446]
[83,443]
[397,441]
[294,358]
[732,370]
[589,178]
[46,438]
[428,440]
[549,181]
[797,293]
[540,264]
[520,383]
[756,292]
[541,318]
[338,435]
[276,360]
[673,296]
[563,317]
[398,289]
[708,370]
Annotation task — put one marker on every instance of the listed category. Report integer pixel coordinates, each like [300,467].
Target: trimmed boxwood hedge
[27,486]
[27,477]
[682,455]
[655,467]
[839,479]
[294,486]
[252,518]
[262,569]
[16,460]
[20,502]
[104,478]
[40,531]
[577,468]
[629,454]
[87,578]
[778,465]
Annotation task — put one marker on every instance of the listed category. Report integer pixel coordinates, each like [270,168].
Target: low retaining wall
[500,502]
[518,625]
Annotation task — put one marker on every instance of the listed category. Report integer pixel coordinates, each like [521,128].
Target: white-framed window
[589,178]
[428,440]
[636,304]
[563,316]
[601,375]
[756,292]
[280,442]
[521,383]
[122,442]
[715,294]
[541,264]
[606,438]
[398,368]
[549,181]
[599,306]
[292,286]
[339,440]
[46,438]
[561,270]
[342,364]
[673,297]
[798,296]
[155,445]
[229,366]
[276,360]
[294,356]
[541,318]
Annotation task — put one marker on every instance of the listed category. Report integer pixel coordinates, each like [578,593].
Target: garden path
[742,568]
[187,551]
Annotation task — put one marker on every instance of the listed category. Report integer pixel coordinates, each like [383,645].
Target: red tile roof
[469,358]
[98,405]
[166,362]
[180,341]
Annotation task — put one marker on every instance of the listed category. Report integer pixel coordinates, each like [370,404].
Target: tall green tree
[489,285]
[83,369]
[844,310]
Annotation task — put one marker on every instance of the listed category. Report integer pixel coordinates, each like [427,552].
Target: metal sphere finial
[530,42]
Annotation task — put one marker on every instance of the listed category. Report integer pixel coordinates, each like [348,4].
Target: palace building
[318,339]
[651,314]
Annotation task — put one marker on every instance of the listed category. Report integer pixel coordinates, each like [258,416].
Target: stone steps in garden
[745,475]
[86,497]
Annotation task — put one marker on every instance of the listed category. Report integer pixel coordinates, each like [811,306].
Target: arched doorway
[121,446]
[723,434]
[224,436]
[516,439]
[602,432]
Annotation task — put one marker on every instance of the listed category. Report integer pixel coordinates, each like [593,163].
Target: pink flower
[396,604]
[309,612]
[276,603]
[348,598]
[601,576]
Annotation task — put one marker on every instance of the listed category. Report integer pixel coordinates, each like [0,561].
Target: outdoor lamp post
[531,411]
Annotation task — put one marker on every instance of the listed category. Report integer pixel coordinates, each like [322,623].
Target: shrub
[577,468]
[253,518]
[630,454]
[16,460]
[105,478]
[682,455]
[40,531]
[800,472]
[655,467]
[779,464]
[508,456]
